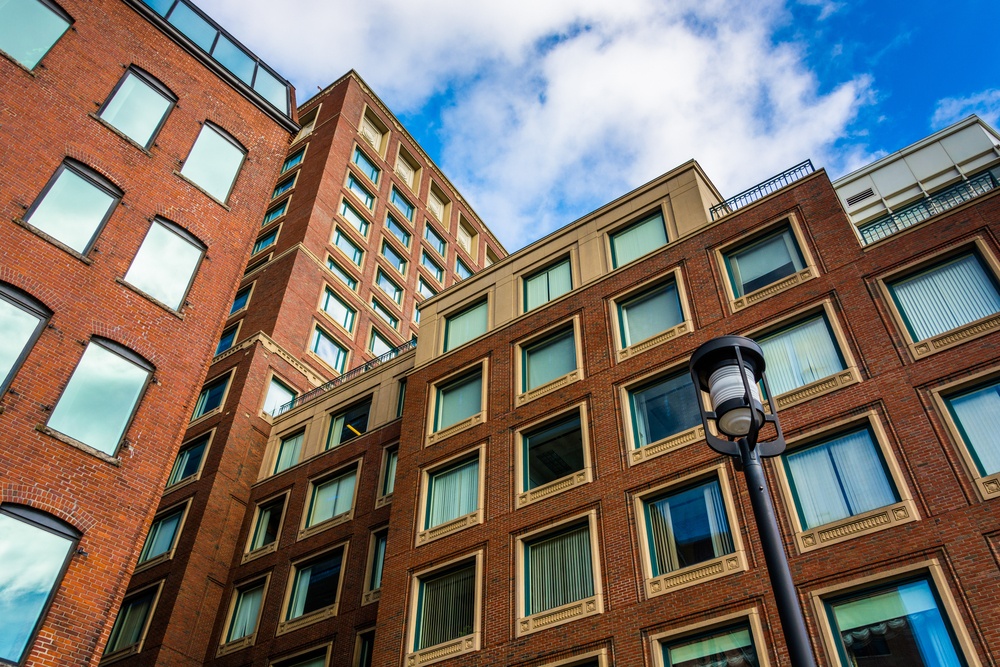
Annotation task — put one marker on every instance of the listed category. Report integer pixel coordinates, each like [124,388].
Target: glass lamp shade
[728,400]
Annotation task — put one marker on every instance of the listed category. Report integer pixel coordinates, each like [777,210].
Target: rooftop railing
[761,190]
[346,377]
[930,206]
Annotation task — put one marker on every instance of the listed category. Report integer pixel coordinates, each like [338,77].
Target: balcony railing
[346,377]
[761,190]
[927,207]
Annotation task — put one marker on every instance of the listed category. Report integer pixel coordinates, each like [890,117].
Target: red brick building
[136,154]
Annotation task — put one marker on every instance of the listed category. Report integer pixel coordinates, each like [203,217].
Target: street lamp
[729,369]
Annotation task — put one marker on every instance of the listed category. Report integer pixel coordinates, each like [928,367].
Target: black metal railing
[761,190]
[927,207]
[346,377]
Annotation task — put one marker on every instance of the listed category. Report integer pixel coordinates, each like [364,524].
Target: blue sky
[540,111]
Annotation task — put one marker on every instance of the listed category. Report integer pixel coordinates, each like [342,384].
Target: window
[214,162]
[436,204]
[729,646]
[138,106]
[22,319]
[315,585]
[311,659]
[130,626]
[491,257]
[394,258]
[397,230]
[452,492]
[74,206]
[245,612]
[293,160]
[331,498]
[424,289]
[436,270]
[764,261]
[458,400]
[102,394]
[267,525]
[350,214]
[353,252]
[662,408]
[165,265]
[389,472]
[377,560]
[467,237]
[283,186]
[466,325]
[548,359]
[227,339]
[686,527]
[335,307]
[462,270]
[435,239]
[29,28]
[37,548]
[557,569]
[278,394]
[366,166]
[341,274]
[162,536]
[378,345]
[416,314]
[551,452]
[403,206]
[401,398]
[446,606]
[257,263]
[188,461]
[355,186]
[388,286]
[546,285]
[946,296]
[407,168]
[800,354]
[241,300]
[637,240]
[838,478]
[900,624]
[274,213]
[307,123]
[653,311]
[975,413]
[373,131]
[348,424]
[211,396]
[384,313]
[327,349]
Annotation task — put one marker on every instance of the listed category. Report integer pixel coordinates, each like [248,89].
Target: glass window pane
[72,209]
[800,354]
[227,339]
[329,351]
[424,289]
[732,646]
[433,266]
[549,359]
[316,585]
[245,613]
[188,460]
[335,307]
[355,186]
[763,262]
[348,425]
[687,527]
[136,108]
[446,607]
[161,536]
[397,230]
[458,400]
[164,265]
[265,530]
[277,395]
[388,286]
[558,570]
[331,498]
[271,89]
[395,259]
[292,160]
[28,29]
[461,270]
[399,201]
[452,493]
[353,252]
[637,240]
[242,297]
[435,239]
[213,163]
[234,59]
[379,345]
[341,274]
[98,401]
[977,414]
[663,408]
[552,452]
[463,327]
[384,313]
[378,560]
[17,328]
[131,621]
[367,167]
[197,29]
[352,216]
[211,397]
[650,313]
[389,477]
[547,285]
[283,186]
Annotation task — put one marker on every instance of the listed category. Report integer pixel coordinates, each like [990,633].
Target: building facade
[127,219]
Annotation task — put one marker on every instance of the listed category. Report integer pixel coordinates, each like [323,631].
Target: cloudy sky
[542,110]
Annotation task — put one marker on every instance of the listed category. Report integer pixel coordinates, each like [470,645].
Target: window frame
[330,260]
[279,210]
[403,258]
[282,439]
[370,594]
[399,291]
[300,153]
[987,486]
[391,221]
[231,646]
[384,313]
[319,330]
[462,309]
[371,163]
[307,123]
[343,411]
[135,648]
[284,185]
[250,554]
[375,333]
[434,267]
[338,233]
[430,289]
[407,213]
[465,644]
[228,375]
[749,617]
[427,534]
[326,294]
[527,624]
[181,508]
[21,300]
[435,435]
[303,656]
[235,329]
[286,625]
[698,573]
[673,276]
[525,278]
[187,237]
[306,530]
[61,13]
[670,443]
[209,436]
[461,268]
[900,512]
[236,176]
[157,86]
[522,349]
[429,231]
[522,497]
[382,497]
[249,290]
[632,223]
[413,182]
[364,225]
[464,226]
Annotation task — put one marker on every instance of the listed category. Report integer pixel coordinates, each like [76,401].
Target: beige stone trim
[449,649]
[940,582]
[555,487]
[290,659]
[987,487]
[306,530]
[201,466]
[136,647]
[685,327]
[817,537]
[591,606]
[356,660]
[749,616]
[374,132]
[318,615]
[808,272]
[225,648]
[273,546]
[521,397]
[601,655]
[434,437]
[183,506]
[274,348]
[701,572]
[948,339]
[372,595]
[408,169]
[427,535]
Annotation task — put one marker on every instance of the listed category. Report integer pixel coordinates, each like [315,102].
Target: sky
[540,111]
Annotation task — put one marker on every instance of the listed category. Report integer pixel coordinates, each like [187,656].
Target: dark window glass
[552,452]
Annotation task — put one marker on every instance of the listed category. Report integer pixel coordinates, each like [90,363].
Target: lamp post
[729,369]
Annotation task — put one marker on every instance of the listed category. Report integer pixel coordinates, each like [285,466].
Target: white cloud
[553,108]
[985,104]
